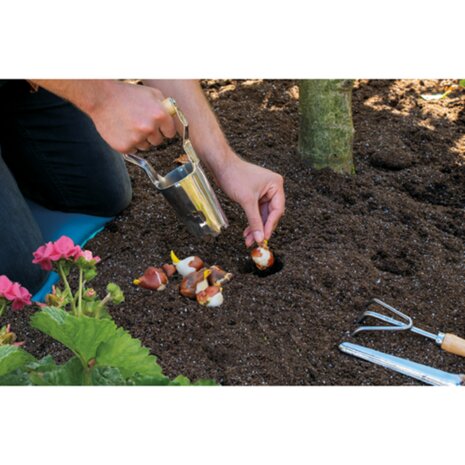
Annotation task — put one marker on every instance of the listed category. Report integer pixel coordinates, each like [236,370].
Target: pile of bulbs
[200,282]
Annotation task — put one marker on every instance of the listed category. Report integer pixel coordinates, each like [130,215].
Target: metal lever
[152,173]
[172,108]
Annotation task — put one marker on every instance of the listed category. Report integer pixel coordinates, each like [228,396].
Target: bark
[326,128]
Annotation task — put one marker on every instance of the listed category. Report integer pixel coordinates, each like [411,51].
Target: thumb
[255,221]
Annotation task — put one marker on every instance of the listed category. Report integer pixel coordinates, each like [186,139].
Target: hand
[259,192]
[131,117]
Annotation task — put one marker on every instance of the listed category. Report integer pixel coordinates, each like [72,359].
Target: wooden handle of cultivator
[453,344]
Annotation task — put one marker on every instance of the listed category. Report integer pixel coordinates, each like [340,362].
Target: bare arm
[84,93]
[206,135]
[127,116]
[131,117]
[259,191]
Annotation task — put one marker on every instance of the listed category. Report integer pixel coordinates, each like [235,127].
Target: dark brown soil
[395,230]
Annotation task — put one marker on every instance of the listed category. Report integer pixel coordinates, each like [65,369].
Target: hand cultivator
[447,341]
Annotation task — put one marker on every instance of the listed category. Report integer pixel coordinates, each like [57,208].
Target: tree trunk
[326,128]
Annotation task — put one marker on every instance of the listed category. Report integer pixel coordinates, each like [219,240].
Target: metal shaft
[424,373]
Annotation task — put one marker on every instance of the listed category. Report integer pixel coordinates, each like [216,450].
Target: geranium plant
[104,354]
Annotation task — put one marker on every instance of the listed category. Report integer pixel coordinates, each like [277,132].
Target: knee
[115,197]
[110,185]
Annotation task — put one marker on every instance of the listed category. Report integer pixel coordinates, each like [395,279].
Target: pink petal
[42,256]
[12,291]
[19,304]
[87,255]
[5,284]
[63,248]
[19,295]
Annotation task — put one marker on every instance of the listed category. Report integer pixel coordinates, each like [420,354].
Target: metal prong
[395,325]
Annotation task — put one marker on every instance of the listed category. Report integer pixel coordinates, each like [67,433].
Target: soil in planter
[395,230]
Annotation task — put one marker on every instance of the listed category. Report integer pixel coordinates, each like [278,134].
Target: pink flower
[87,255]
[15,293]
[5,284]
[50,252]
[42,256]
[64,248]
[19,295]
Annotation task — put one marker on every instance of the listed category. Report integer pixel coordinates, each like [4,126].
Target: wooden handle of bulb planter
[453,344]
[169,105]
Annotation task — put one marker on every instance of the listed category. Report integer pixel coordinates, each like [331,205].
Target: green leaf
[116,293]
[462,83]
[126,353]
[158,380]
[90,274]
[181,380]
[107,376]
[93,308]
[81,334]
[13,357]
[15,378]
[44,364]
[50,374]
[101,341]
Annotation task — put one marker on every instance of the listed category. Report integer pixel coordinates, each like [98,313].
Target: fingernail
[258,236]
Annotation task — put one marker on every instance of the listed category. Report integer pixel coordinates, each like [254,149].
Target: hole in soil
[247,266]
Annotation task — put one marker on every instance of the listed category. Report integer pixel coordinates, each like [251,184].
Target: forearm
[205,132]
[85,94]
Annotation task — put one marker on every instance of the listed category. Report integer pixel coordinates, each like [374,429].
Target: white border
[231,425]
[236,39]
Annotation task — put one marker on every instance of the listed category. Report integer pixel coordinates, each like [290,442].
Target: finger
[255,220]
[276,211]
[246,232]
[249,240]
[155,137]
[264,211]
[168,126]
[143,146]
[271,224]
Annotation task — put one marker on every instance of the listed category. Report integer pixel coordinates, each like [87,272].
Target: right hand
[131,117]
[259,192]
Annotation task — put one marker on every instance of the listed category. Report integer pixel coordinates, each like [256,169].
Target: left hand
[259,192]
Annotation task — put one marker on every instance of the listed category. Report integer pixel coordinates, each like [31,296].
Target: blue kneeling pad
[54,224]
